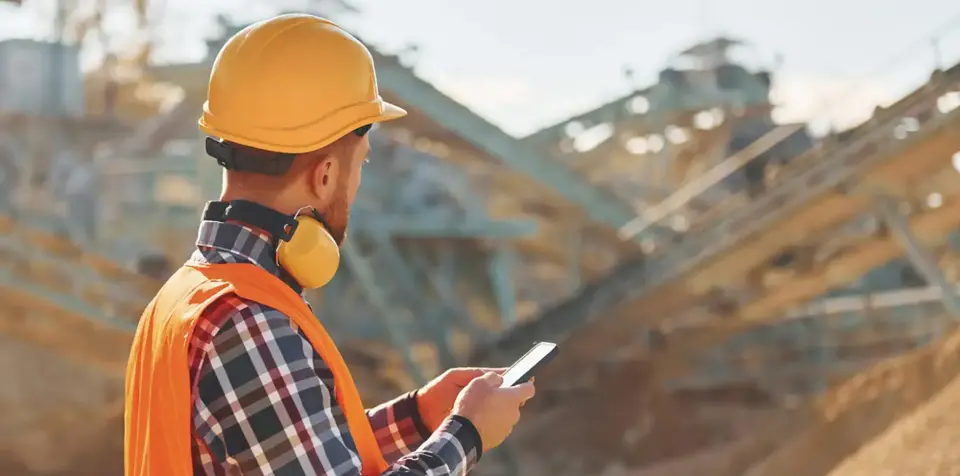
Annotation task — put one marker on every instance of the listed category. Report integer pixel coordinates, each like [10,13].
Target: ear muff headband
[305,248]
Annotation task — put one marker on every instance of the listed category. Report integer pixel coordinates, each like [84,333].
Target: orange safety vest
[158,436]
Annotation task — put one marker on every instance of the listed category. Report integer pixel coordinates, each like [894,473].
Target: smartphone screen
[523,368]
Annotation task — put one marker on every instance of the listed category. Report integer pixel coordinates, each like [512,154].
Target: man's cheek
[354,188]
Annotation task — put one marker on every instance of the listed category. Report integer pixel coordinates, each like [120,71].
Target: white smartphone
[525,367]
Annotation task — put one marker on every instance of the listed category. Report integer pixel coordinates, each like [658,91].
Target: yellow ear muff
[312,255]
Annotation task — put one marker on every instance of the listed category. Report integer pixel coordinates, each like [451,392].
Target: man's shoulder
[231,311]
[235,333]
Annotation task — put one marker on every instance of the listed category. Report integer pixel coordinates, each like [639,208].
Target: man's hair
[242,158]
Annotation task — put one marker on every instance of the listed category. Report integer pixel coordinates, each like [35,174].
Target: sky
[525,64]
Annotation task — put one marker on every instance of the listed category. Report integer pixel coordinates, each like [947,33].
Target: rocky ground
[926,443]
[893,419]
[897,418]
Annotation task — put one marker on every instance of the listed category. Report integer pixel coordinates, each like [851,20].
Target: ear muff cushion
[311,256]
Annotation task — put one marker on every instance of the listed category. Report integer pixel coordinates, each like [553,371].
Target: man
[230,372]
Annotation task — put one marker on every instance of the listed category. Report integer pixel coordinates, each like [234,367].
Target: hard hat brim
[308,137]
[391,112]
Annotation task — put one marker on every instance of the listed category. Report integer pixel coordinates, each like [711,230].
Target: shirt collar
[246,243]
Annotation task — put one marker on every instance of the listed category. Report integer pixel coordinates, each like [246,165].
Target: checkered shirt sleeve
[397,426]
[264,404]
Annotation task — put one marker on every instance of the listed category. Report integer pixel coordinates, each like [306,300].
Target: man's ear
[322,176]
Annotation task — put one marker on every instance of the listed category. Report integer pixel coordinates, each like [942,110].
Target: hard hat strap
[231,157]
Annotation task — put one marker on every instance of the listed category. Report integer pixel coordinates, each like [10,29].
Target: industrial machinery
[448,218]
[681,318]
[650,235]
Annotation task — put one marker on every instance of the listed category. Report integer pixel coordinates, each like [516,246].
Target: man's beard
[337,216]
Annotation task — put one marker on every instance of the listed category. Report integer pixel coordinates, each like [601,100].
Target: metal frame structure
[417,219]
[811,348]
[384,238]
[806,204]
[439,262]
[408,225]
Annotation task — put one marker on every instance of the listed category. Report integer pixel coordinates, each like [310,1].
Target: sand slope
[925,443]
[865,407]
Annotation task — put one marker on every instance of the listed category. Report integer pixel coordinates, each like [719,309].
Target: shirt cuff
[398,427]
[471,436]
[409,401]
[457,443]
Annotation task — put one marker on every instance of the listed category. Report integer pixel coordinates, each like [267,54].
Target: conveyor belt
[881,154]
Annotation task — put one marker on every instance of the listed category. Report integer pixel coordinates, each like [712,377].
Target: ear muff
[311,255]
[305,249]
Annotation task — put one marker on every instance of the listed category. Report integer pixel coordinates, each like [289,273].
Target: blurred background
[738,218]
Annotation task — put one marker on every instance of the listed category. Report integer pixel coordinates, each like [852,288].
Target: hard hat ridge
[293,84]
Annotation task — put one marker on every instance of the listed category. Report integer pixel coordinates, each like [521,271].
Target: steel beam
[700,185]
[441,278]
[413,92]
[456,118]
[429,224]
[575,262]
[872,144]
[917,253]
[74,273]
[422,225]
[404,277]
[825,355]
[818,339]
[662,100]
[500,267]
[396,333]
[336,296]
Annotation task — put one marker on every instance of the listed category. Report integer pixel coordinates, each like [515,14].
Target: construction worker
[230,372]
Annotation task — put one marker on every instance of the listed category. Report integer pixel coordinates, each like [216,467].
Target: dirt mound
[864,407]
[58,415]
[925,443]
[55,406]
[624,420]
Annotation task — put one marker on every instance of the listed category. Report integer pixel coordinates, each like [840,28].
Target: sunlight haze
[530,63]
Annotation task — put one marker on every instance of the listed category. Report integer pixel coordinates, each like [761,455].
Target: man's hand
[435,400]
[493,410]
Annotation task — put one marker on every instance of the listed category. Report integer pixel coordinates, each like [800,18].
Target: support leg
[500,269]
[917,253]
[825,356]
[442,277]
[435,326]
[574,261]
[397,334]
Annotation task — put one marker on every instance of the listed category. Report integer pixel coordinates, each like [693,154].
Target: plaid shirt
[263,399]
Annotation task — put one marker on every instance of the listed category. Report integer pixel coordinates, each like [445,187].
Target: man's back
[243,355]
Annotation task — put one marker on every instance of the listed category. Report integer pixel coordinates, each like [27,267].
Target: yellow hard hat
[292,84]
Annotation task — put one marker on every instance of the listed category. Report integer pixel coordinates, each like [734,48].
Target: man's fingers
[492,378]
[478,371]
[523,391]
[469,373]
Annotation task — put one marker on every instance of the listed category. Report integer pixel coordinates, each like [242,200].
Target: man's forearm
[398,427]
[453,449]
